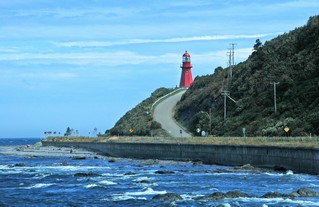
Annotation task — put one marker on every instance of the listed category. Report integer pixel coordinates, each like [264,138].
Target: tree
[258,45]
[68,132]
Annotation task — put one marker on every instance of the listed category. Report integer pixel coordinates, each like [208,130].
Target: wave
[106,182]
[148,191]
[278,201]
[91,186]
[123,198]
[139,179]
[100,184]
[39,185]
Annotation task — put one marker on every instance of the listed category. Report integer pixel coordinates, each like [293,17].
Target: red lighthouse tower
[186,77]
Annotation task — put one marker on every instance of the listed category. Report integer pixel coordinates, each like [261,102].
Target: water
[43,181]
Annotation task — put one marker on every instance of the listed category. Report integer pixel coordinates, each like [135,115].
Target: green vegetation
[292,60]
[139,120]
[260,141]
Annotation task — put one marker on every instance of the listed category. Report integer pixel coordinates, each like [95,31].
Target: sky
[84,63]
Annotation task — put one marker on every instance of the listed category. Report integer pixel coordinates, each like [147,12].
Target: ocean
[63,181]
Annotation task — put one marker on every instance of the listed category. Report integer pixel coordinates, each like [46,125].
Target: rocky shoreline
[39,151]
[48,151]
[302,192]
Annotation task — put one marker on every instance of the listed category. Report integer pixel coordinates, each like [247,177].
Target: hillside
[140,119]
[291,60]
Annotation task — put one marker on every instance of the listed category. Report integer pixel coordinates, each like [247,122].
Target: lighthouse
[186,77]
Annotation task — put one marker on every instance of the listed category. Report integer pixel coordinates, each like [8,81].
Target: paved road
[164,113]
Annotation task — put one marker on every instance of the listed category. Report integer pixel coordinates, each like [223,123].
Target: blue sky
[84,63]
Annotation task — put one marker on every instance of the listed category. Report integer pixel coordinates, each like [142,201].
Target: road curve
[164,113]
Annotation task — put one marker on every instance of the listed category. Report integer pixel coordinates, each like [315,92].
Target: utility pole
[275,102]
[210,121]
[225,94]
[231,63]
[231,60]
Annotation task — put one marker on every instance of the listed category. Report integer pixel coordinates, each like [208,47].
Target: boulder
[304,192]
[145,181]
[280,168]
[237,194]
[79,157]
[244,168]
[112,160]
[213,196]
[86,175]
[163,172]
[19,165]
[151,162]
[130,173]
[274,195]
[167,197]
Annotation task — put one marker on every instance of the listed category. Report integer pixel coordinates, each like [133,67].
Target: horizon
[83,65]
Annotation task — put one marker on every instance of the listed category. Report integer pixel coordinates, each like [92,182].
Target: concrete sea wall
[298,159]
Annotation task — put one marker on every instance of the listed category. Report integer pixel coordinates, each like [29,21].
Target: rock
[304,192]
[237,194]
[220,195]
[151,162]
[112,160]
[19,165]
[244,168]
[130,173]
[64,164]
[18,149]
[86,175]
[280,169]
[79,158]
[167,197]
[274,195]
[145,181]
[197,162]
[164,172]
[213,196]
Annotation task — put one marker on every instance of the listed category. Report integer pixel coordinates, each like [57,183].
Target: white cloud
[169,40]
[120,58]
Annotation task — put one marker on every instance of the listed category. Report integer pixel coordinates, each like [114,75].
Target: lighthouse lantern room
[186,77]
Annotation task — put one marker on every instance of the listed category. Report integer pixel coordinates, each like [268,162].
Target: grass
[261,141]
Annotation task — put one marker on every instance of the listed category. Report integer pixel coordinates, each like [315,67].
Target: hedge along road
[164,113]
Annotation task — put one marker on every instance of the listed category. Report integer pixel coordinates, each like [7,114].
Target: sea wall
[298,159]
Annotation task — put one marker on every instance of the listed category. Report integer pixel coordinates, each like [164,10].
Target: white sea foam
[148,191]
[4,167]
[106,182]
[190,196]
[91,186]
[274,201]
[289,172]
[141,179]
[39,185]
[73,168]
[124,198]
[313,185]
[112,175]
